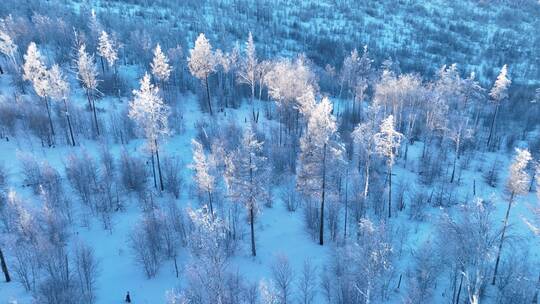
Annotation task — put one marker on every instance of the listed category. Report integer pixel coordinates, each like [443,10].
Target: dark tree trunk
[4,266]
[69,124]
[208,95]
[492,124]
[321,228]
[154,171]
[49,114]
[252,224]
[502,239]
[389,191]
[159,166]
[95,116]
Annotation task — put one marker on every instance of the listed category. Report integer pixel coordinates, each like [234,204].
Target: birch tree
[246,177]
[320,153]
[202,63]
[151,114]
[387,142]
[517,184]
[498,94]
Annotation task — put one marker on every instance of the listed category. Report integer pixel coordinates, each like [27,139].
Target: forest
[269,152]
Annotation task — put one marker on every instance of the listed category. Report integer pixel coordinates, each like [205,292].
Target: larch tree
[498,94]
[8,48]
[320,153]
[35,71]
[107,50]
[59,91]
[161,69]
[246,176]
[202,167]
[151,114]
[87,76]
[387,142]
[202,63]
[517,184]
[364,140]
[248,71]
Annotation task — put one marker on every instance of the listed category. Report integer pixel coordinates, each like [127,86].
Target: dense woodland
[405,144]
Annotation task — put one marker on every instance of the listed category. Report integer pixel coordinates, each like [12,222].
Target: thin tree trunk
[208,95]
[252,224]
[69,123]
[175,266]
[49,114]
[321,229]
[95,116]
[159,166]
[4,267]
[459,289]
[492,124]
[502,239]
[210,202]
[154,170]
[389,191]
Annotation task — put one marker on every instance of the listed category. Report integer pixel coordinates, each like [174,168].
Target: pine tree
[387,142]
[202,63]
[517,184]
[246,177]
[248,71]
[36,72]
[59,90]
[498,93]
[151,114]
[87,75]
[320,153]
[203,177]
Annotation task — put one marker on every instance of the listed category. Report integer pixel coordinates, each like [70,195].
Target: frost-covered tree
[161,69]
[364,139]
[87,76]
[107,50]
[202,63]
[355,75]
[8,48]
[59,90]
[248,71]
[517,184]
[203,173]
[35,71]
[246,177]
[151,114]
[498,94]
[320,153]
[387,142]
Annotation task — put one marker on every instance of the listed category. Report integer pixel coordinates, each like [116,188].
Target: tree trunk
[252,224]
[321,228]
[502,239]
[208,95]
[154,170]
[459,289]
[210,203]
[95,116]
[492,124]
[49,114]
[69,124]
[389,191]
[4,267]
[159,166]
